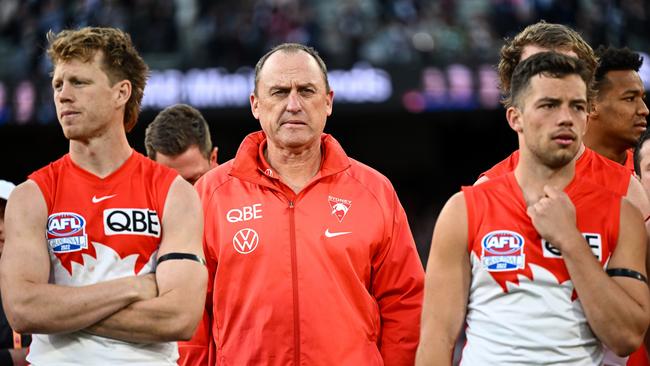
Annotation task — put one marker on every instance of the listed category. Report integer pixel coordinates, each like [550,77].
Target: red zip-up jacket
[328,276]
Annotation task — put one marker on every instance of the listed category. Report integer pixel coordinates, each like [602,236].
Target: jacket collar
[250,165]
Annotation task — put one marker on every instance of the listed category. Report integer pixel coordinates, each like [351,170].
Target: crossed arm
[173,314]
[149,308]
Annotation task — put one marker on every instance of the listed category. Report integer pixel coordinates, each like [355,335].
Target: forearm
[613,314]
[172,316]
[442,320]
[447,286]
[434,350]
[49,308]
[148,321]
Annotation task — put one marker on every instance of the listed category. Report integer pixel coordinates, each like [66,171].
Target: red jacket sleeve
[205,192]
[398,287]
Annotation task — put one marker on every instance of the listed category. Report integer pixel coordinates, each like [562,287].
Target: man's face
[292,103]
[84,98]
[190,164]
[552,118]
[620,111]
[644,165]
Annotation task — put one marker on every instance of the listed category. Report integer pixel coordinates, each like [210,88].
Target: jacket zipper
[294,279]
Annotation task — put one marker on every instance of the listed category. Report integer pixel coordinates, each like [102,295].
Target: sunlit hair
[550,64]
[292,48]
[546,35]
[121,61]
[175,129]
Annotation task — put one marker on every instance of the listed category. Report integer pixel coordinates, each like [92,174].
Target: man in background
[179,137]
[618,116]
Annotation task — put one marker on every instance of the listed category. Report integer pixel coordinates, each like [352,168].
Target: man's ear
[594,113]
[330,102]
[514,117]
[213,158]
[254,103]
[123,91]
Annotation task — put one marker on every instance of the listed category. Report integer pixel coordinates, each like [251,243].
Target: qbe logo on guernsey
[66,232]
[245,241]
[131,221]
[594,240]
[503,250]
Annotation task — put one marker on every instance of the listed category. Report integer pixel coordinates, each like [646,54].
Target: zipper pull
[290,204]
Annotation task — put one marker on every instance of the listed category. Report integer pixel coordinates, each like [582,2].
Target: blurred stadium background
[415,82]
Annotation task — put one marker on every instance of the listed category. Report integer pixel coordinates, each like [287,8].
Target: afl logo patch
[502,250]
[66,232]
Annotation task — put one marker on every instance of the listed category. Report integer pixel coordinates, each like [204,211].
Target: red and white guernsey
[523,308]
[100,229]
[589,165]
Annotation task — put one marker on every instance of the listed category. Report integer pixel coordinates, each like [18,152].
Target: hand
[554,217]
[147,286]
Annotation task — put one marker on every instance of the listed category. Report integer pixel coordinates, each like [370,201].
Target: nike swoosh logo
[99,199]
[335,234]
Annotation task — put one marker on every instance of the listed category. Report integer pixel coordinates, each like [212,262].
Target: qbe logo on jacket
[502,250]
[66,232]
[131,221]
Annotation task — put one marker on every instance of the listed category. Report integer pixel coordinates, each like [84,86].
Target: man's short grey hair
[292,48]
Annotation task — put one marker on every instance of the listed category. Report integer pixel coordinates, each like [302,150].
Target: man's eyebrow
[547,100]
[635,91]
[578,100]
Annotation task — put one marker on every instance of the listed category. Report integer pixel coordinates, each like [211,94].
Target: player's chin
[563,159]
[636,135]
[71,133]
[560,157]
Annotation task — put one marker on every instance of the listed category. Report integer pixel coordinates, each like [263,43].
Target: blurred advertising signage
[217,88]
[454,87]
[451,87]
[18,102]
[414,89]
